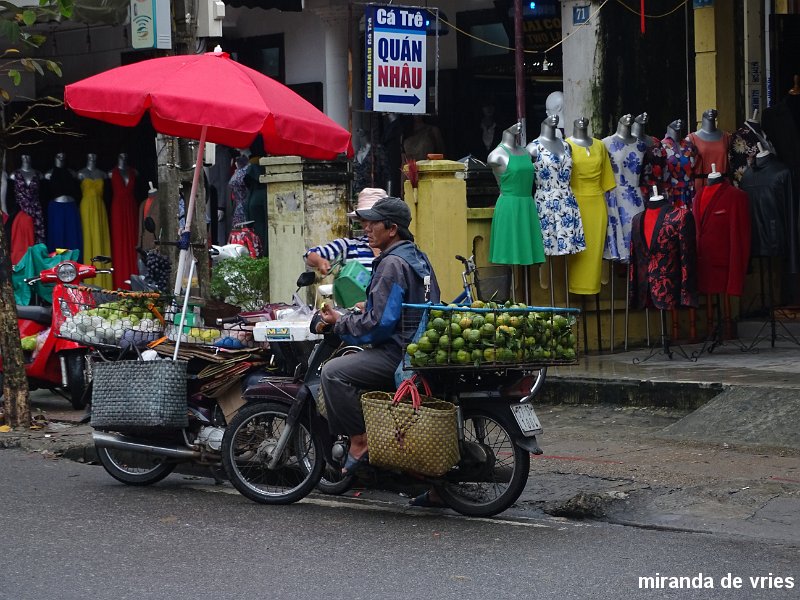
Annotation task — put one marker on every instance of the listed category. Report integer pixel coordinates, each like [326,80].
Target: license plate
[526,419]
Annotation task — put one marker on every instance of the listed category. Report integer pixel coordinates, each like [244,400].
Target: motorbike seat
[38,314]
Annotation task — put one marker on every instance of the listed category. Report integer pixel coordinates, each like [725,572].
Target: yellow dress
[94,219]
[592,177]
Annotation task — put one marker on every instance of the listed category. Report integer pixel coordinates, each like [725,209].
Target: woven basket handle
[409,387]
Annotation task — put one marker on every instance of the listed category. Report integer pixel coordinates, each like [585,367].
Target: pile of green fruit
[506,334]
[130,309]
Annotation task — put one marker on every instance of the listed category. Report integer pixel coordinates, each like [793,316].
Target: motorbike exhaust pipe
[104,439]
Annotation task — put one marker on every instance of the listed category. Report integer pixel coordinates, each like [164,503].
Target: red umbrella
[209,97]
[233,103]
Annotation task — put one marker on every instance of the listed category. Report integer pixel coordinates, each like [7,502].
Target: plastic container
[350,286]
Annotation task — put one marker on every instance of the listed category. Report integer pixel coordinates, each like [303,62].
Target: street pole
[519,70]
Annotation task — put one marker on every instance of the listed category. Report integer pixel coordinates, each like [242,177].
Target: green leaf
[15,76]
[28,17]
[53,67]
[37,40]
[28,64]
[9,31]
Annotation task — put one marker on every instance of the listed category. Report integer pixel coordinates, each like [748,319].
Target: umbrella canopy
[234,103]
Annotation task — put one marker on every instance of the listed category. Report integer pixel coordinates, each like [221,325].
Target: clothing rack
[715,337]
[771,321]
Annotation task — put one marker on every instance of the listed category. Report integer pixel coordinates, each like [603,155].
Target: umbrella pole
[198,165]
[183,310]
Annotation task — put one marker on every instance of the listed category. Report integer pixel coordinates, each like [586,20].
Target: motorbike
[58,364]
[278,447]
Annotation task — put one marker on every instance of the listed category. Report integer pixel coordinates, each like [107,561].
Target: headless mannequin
[580,135]
[364,145]
[28,172]
[708,128]
[90,171]
[59,164]
[675,130]
[548,138]
[124,169]
[638,130]
[498,158]
[623,132]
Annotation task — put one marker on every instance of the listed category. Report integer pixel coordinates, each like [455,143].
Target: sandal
[353,464]
[425,500]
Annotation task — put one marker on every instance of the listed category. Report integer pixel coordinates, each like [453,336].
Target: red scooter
[58,364]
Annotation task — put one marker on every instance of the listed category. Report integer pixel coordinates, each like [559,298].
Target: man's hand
[329,314]
[315,261]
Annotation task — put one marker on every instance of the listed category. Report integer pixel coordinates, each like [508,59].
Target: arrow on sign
[393,99]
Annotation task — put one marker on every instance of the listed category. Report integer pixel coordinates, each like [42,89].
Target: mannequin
[559,215]
[239,191]
[627,155]
[743,147]
[724,230]
[592,176]
[712,147]
[64,222]
[516,237]
[554,107]
[257,202]
[655,158]
[680,155]
[488,134]
[94,217]
[123,222]
[27,183]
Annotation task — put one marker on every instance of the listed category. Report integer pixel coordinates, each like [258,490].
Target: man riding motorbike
[401,273]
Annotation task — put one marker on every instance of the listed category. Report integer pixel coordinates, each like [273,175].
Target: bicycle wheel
[248,447]
[504,468]
[132,468]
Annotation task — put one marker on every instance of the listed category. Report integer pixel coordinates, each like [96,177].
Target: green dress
[516,237]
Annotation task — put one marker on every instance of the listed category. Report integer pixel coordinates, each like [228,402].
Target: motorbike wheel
[333,482]
[508,468]
[76,379]
[132,468]
[247,448]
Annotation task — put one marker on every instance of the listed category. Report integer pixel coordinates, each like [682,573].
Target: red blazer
[663,273]
[723,239]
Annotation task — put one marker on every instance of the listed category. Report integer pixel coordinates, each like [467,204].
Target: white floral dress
[625,200]
[559,214]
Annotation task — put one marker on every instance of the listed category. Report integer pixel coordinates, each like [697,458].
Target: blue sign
[580,14]
[703,3]
[396,62]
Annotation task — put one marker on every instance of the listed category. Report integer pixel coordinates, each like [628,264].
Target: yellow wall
[715,79]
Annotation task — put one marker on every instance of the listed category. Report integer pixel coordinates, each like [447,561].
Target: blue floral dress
[559,215]
[625,200]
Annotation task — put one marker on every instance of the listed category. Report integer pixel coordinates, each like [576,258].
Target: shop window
[264,53]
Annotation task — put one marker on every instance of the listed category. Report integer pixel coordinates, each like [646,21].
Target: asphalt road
[69,531]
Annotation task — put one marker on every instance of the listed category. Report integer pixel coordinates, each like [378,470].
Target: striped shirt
[352,249]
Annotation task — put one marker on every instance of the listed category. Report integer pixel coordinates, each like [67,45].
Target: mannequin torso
[125,171]
[26,172]
[547,138]
[499,157]
[638,130]
[623,133]
[708,128]
[90,171]
[580,135]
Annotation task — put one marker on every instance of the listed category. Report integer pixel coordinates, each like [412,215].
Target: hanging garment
[26,194]
[516,237]
[709,153]
[741,152]
[663,267]
[23,236]
[768,184]
[626,199]
[63,219]
[369,170]
[722,214]
[681,159]
[247,238]
[654,168]
[559,215]
[257,205]
[592,177]
[94,219]
[123,227]
[239,194]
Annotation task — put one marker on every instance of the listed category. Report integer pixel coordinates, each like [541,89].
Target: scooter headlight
[66,272]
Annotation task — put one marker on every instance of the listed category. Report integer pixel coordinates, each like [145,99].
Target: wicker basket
[413,436]
[139,394]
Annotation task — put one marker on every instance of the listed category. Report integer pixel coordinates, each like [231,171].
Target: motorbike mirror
[101,259]
[150,225]
[306,279]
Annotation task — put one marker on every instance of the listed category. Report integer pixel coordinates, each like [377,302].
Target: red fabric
[709,153]
[663,271]
[641,18]
[247,238]
[650,218]
[187,92]
[123,223]
[22,236]
[723,239]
